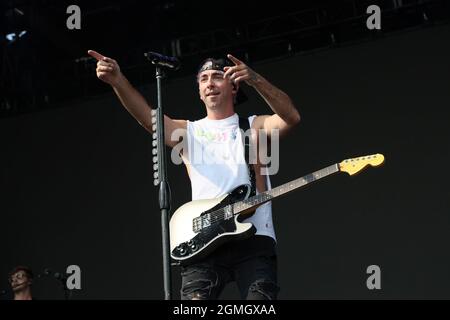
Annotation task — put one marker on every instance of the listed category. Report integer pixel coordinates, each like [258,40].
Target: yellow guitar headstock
[355,165]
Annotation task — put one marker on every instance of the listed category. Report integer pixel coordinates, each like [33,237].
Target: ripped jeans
[252,263]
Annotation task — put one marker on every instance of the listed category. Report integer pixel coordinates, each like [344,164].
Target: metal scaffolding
[316,27]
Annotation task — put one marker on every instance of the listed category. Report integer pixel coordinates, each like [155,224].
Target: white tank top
[217,165]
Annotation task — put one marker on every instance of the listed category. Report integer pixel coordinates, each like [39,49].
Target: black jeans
[252,263]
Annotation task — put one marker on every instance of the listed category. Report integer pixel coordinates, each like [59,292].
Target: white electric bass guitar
[198,227]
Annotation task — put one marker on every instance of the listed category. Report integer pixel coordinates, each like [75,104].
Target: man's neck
[220,114]
[23,295]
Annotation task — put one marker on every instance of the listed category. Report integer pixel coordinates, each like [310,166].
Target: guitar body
[187,245]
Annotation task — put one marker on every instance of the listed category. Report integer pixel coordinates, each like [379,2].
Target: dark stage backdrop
[77,186]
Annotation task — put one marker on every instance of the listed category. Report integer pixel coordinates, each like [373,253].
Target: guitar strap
[244,125]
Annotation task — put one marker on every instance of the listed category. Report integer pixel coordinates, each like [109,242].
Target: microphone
[47,272]
[57,275]
[163,61]
[60,276]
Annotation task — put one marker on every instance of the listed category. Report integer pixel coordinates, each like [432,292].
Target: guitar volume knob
[193,245]
[182,250]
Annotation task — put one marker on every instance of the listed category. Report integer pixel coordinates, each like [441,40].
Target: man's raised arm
[285,116]
[108,71]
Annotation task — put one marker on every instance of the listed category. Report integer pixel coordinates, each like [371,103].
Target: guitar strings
[219,215]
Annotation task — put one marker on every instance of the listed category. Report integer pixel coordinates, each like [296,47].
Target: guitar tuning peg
[153,112]
[155,166]
[155,159]
[156,175]
[156,182]
[154,143]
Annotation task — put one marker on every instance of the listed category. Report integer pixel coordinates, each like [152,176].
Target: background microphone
[60,276]
[163,61]
[47,272]
[57,275]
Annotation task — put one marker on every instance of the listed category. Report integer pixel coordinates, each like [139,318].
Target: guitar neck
[283,189]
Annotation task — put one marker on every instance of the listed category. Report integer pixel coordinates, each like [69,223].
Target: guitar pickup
[206,220]
[228,212]
[201,222]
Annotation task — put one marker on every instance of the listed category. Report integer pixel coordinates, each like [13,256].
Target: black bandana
[219,64]
[214,64]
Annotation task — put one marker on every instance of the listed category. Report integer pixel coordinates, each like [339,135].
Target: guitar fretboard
[283,189]
[238,207]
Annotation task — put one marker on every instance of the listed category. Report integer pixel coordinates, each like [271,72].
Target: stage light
[11,37]
[18,11]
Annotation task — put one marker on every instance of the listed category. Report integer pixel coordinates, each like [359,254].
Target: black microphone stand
[61,278]
[67,292]
[63,281]
[160,175]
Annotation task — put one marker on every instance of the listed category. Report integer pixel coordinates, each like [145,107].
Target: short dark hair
[26,269]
